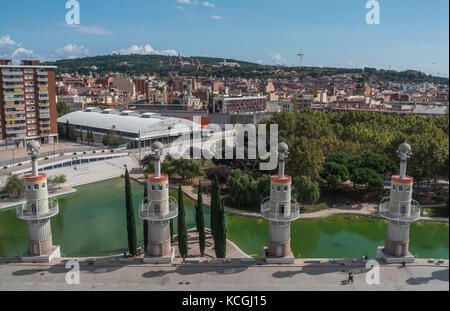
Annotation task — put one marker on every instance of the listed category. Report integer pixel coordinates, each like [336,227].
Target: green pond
[92,222]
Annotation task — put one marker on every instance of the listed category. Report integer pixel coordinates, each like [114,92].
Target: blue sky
[412,34]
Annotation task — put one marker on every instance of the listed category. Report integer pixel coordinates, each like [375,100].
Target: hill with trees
[150,64]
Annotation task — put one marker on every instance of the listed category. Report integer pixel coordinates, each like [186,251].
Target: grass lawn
[314,208]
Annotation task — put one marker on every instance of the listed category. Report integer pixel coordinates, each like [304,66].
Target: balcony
[8,106]
[10,126]
[12,132]
[399,210]
[12,86]
[45,128]
[44,104]
[38,209]
[40,85]
[43,97]
[10,72]
[44,116]
[12,99]
[44,111]
[12,79]
[149,210]
[276,211]
[42,73]
[42,80]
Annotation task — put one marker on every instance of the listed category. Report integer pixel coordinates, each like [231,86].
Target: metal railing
[33,211]
[148,211]
[399,210]
[273,210]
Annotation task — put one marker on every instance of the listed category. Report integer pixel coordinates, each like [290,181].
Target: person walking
[350,277]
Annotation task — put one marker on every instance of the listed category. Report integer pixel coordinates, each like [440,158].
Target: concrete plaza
[218,276]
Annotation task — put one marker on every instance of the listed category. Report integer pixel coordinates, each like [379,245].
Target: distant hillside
[151,64]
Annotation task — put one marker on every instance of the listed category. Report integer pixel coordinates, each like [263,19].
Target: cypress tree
[182,232]
[219,222]
[201,221]
[131,222]
[145,221]
[213,205]
[67,134]
[171,230]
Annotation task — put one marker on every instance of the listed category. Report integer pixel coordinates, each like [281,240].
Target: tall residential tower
[27,103]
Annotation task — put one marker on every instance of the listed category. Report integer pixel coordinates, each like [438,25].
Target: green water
[92,222]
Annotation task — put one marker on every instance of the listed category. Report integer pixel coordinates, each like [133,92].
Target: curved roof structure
[148,124]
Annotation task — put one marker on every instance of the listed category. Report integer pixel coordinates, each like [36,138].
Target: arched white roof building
[130,124]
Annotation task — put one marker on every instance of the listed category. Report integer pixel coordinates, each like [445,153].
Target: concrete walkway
[233,276]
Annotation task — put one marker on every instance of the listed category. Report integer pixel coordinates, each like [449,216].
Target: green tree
[219,222]
[15,186]
[131,222]
[182,232]
[145,222]
[306,190]
[335,174]
[201,221]
[62,109]
[171,231]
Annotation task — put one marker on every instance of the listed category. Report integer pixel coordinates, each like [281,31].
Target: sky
[411,34]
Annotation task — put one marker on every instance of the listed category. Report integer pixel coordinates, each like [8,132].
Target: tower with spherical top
[37,211]
[158,209]
[400,210]
[280,209]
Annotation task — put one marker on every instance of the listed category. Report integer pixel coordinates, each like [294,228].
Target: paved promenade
[221,277]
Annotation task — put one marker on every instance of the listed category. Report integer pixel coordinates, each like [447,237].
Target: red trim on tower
[407,180]
[285,180]
[31,178]
[162,178]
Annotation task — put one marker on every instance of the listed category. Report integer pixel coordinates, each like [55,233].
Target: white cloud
[207,4]
[72,51]
[276,58]
[6,40]
[145,50]
[20,51]
[184,1]
[180,8]
[217,17]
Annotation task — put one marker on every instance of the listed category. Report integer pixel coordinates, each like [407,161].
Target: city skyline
[411,35]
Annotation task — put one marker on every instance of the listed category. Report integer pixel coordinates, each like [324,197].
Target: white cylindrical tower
[37,210]
[280,209]
[158,209]
[400,210]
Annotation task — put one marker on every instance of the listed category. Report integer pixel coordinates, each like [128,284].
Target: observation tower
[400,210]
[37,211]
[158,209]
[280,209]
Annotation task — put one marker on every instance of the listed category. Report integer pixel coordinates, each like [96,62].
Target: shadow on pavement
[441,275]
[189,270]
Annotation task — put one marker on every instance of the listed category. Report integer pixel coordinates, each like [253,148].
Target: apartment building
[27,103]
[239,104]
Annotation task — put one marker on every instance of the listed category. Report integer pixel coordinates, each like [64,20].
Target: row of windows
[36,186]
[401,188]
[160,187]
[278,188]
